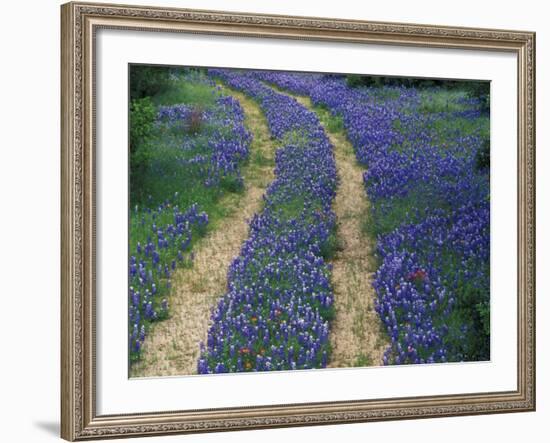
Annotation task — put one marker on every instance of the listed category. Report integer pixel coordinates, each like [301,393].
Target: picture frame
[79,241]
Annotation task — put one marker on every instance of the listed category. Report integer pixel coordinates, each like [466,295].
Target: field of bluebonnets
[423,147]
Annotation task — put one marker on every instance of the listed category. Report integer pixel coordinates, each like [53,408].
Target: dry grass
[356,335]
[172,347]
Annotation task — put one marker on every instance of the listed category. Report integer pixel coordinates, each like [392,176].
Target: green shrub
[483,156]
[142,121]
[481,91]
[147,81]
[474,89]
[483,310]
[472,313]
[355,80]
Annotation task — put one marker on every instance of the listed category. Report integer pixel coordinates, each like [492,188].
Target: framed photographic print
[280,221]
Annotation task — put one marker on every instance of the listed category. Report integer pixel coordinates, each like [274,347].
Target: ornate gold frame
[79,21]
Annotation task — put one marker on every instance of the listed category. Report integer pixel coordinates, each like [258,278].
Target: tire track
[356,334]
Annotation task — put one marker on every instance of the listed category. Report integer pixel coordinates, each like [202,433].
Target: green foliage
[410,208]
[334,123]
[230,183]
[259,159]
[296,137]
[163,174]
[480,90]
[483,156]
[190,90]
[142,118]
[364,360]
[355,81]
[328,314]
[441,100]
[331,246]
[472,313]
[449,125]
[148,81]
[483,311]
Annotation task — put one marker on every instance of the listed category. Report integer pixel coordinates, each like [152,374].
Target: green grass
[332,246]
[334,123]
[296,137]
[363,360]
[260,160]
[441,100]
[385,94]
[189,89]
[446,128]
[387,214]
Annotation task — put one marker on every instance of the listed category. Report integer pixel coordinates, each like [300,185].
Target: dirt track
[355,333]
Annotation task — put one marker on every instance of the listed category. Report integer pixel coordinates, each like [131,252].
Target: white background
[29,184]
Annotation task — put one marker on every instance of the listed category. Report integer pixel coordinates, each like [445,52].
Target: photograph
[284,220]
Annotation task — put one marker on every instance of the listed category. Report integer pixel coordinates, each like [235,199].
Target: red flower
[419,274]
